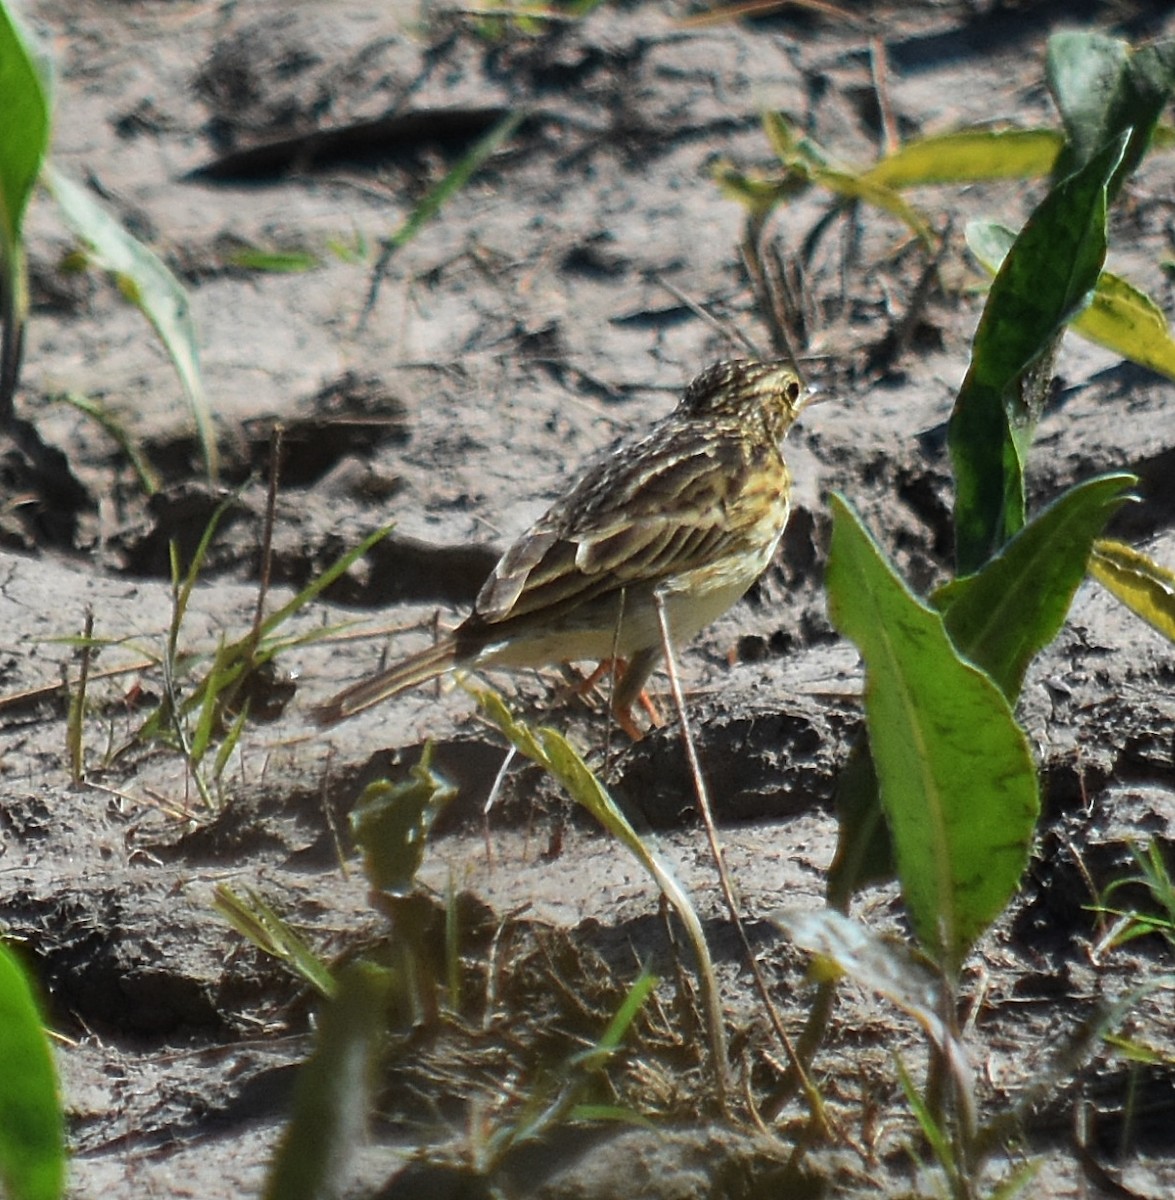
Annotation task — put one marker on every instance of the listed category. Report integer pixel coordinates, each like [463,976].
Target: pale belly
[604,630]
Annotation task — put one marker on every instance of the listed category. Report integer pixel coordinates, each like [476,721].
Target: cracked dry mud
[536,319]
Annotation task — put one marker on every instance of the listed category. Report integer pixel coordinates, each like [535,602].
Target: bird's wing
[617,533]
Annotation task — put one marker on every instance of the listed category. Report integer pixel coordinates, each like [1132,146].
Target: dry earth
[538,317]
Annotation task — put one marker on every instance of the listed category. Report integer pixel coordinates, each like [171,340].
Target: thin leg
[630,689]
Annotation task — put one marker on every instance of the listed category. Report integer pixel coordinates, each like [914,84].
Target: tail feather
[416,669]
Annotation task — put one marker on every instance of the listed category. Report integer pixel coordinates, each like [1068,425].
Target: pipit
[693,511]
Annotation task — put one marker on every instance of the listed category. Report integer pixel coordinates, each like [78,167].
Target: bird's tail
[416,669]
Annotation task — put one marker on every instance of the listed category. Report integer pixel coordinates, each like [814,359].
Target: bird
[692,511]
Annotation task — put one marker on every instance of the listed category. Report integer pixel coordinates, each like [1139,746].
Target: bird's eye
[792,390]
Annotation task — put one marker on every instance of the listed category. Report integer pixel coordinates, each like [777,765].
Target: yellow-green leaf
[1124,319]
[1146,588]
[969,155]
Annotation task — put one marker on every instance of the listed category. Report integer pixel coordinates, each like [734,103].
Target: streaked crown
[746,391]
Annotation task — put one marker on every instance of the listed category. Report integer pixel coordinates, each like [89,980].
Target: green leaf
[1145,587]
[24,140]
[1119,317]
[1002,616]
[145,280]
[32,1133]
[252,918]
[24,132]
[1046,278]
[968,156]
[391,824]
[855,186]
[1103,90]
[276,262]
[806,161]
[955,772]
[334,1088]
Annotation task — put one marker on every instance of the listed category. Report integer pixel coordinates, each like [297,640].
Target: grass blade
[146,281]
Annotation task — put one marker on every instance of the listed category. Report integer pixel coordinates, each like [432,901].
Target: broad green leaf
[955,771]
[1085,72]
[32,1131]
[1145,587]
[1126,320]
[333,1092]
[999,619]
[1046,278]
[391,824]
[1102,90]
[1120,316]
[145,280]
[1006,613]
[968,156]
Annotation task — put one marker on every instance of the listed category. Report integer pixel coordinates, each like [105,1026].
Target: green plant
[944,796]
[381,1004]
[141,276]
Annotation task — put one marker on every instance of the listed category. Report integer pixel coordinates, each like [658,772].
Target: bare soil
[536,318]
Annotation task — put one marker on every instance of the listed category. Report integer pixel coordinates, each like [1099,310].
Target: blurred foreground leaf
[333,1093]
[24,141]
[32,1133]
[391,823]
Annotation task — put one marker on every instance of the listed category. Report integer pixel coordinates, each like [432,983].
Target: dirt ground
[543,313]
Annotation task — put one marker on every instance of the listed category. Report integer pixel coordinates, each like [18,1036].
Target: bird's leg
[623,672]
[630,690]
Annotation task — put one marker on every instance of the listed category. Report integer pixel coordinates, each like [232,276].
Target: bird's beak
[813,394]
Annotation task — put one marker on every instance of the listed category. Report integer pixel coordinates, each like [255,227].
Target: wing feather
[624,526]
